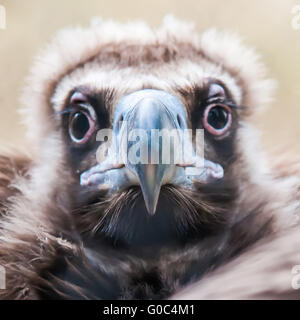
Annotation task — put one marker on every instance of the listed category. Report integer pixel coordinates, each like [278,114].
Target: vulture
[97,210]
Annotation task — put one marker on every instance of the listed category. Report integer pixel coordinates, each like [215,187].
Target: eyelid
[217,99]
[87,107]
[80,106]
[220,100]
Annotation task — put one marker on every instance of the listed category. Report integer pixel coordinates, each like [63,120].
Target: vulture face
[114,101]
[140,116]
[157,184]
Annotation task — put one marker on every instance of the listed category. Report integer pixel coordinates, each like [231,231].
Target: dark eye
[81,126]
[217,119]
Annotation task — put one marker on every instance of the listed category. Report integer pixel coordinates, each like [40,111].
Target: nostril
[119,122]
[180,122]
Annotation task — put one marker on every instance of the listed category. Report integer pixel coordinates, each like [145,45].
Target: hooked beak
[153,116]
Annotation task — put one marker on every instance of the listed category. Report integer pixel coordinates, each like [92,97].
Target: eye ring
[81,126]
[209,126]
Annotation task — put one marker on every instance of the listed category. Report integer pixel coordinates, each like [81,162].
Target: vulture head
[144,136]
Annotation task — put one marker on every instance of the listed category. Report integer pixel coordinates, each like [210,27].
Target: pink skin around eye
[212,130]
[89,132]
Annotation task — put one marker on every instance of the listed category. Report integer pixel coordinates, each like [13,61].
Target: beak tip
[151,209]
[151,200]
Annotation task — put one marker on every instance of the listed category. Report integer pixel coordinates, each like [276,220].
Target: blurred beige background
[264,24]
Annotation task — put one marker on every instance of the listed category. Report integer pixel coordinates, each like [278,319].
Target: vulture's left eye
[217,119]
[81,126]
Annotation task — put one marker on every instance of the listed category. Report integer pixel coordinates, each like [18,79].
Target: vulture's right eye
[81,126]
[217,119]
